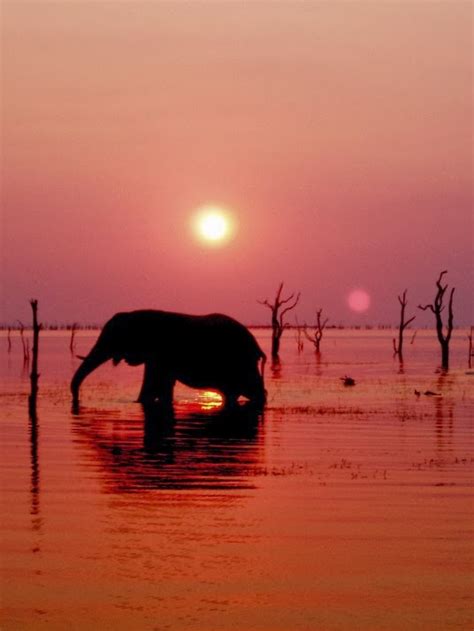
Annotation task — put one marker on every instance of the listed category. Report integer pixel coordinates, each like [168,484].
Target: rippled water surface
[338,508]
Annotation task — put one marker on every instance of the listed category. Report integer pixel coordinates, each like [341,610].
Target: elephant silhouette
[213,352]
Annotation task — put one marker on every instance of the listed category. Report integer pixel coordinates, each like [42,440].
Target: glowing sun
[359,300]
[213,225]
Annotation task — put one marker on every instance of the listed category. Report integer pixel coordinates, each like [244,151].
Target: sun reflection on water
[209,400]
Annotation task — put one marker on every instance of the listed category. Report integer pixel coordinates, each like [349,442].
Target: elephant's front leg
[156,385]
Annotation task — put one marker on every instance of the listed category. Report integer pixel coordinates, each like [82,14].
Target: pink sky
[339,134]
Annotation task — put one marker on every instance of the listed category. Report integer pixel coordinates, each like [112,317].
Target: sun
[213,225]
[359,300]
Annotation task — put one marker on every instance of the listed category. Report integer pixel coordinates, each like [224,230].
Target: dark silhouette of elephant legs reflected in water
[193,450]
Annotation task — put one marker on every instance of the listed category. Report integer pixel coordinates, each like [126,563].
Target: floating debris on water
[348,381]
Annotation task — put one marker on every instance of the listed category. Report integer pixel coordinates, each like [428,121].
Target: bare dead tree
[437,308]
[34,376]
[398,348]
[471,352]
[73,335]
[298,336]
[9,341]
[279,309]
[317,333]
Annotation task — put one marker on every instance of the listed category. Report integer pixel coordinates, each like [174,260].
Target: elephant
[213,352]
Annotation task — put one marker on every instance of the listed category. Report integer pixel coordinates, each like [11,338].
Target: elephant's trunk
[89,364]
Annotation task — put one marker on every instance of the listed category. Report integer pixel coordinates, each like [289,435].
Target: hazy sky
[337,134]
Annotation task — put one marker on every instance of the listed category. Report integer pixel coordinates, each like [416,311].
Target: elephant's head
[113,343]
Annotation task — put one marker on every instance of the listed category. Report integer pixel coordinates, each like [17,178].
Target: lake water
[339,508]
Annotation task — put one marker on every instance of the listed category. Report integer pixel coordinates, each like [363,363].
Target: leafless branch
[289,308]
[425,307]
[266,303]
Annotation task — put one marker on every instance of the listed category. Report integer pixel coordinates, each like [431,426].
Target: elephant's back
[220,328]
[213,335]
[217,338]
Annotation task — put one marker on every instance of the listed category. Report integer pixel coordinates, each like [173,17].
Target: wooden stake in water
[34,376]
[73,334]
[471,353]
[25,346]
